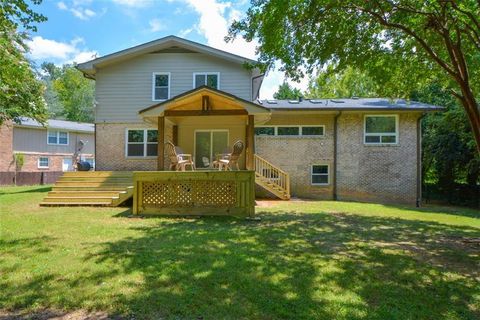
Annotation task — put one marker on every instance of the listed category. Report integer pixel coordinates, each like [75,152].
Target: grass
[303,260]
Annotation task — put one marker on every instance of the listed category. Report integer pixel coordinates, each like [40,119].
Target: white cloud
[83,14]
[133,3]
[185,32]
[156,25]
[61,5]
[42,49]
[78,9]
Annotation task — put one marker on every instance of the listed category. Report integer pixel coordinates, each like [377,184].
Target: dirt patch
[57,315]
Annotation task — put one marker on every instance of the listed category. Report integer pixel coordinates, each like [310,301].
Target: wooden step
[69,204]
[79,199]
[98,174]
[91,193]
[97,179]
[88,188]
[91,184]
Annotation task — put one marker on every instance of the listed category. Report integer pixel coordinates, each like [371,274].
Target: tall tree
[75,93]
[50,72]
[348,83]
[20,89]
[400,43]
[286,91]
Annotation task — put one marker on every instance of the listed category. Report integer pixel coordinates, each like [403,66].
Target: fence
[29,178]
[194,193]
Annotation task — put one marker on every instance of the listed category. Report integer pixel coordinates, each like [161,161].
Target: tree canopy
[20,89]
[69,94]
[286,91]
[401,44]
[347,83]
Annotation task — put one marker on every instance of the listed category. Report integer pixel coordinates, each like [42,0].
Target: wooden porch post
[175,135]
[250,143]
[161,143]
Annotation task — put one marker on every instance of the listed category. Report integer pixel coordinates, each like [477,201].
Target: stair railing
[272,174]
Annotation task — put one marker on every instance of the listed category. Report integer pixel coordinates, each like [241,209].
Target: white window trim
[145,143]
[58,138]
[206,74]
[43,167]
[365,134]
[153,84]
[328,174]
[300,131]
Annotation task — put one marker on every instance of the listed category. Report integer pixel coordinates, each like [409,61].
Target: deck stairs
[272,178]
[91,188]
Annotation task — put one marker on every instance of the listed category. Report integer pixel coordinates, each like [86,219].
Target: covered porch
[204,123]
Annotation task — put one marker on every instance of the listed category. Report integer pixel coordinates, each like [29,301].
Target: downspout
[419,160]
[335,135]
[258,92]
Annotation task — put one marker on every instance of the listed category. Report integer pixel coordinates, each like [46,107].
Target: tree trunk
[471,107]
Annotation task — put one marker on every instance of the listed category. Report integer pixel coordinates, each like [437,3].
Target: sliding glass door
[208,143]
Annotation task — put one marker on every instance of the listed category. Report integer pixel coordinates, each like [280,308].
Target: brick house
[203,100]
[46,149]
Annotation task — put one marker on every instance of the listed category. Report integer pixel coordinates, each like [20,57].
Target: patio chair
[178,161]
[230,160]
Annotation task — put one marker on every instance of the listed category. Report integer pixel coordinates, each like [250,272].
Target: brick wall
[6,149]
[296,155]
[30,164]
[110,148]
[376,173]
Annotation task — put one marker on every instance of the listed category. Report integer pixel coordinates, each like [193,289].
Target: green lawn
[303,260]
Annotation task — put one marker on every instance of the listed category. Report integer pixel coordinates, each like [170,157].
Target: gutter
[418,201]
[335,136]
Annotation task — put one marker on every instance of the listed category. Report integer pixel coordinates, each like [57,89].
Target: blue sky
[78,30]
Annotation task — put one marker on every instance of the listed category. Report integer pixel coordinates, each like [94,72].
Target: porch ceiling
[205,101]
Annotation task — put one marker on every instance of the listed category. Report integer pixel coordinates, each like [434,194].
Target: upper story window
[141,143]
[210,79]
[161,86]
[57,137]
[381,129]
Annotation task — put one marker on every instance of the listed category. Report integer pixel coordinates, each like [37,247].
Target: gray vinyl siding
[126,87]
[35,140]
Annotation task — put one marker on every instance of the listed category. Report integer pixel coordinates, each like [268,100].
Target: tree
[75,93]
[20,90]
[349,83]
[286,91]
[398,43]
[50,72]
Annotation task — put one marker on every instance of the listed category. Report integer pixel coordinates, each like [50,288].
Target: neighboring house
[203,100]
[44,149]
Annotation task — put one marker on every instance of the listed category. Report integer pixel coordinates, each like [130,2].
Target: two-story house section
[203,100]
[28,146]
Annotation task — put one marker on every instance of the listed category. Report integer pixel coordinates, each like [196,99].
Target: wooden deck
[194,193]
[91,188]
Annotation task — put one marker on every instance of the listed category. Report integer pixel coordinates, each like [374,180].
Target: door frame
[211,141]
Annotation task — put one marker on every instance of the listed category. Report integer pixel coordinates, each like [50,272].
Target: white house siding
[125,88]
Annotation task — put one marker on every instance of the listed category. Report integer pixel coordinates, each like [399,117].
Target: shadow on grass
[451,210]
[40,189]
[289,265]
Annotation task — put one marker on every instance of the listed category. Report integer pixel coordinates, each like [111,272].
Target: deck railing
[194,193]
[272,175]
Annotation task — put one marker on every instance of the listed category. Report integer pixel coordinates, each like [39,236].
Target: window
[307,131]
[161,86]
[320,174]
[142,143]
[265,131]
[43,162]
[210,79]
[313,131]
[57,137]
[288,131]
[381,129]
